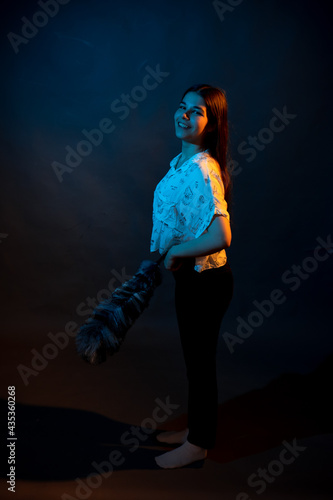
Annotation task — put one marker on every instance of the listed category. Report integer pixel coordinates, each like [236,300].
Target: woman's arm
[217,237]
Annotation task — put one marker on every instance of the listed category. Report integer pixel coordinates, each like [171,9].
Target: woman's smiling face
[191,118]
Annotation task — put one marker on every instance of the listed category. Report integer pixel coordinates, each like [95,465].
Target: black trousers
[201,300]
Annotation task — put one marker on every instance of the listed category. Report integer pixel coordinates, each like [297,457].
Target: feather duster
[104,332]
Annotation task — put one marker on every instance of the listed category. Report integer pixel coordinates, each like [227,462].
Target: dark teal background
[62,242]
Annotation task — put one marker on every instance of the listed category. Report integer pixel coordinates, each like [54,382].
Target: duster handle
[159,260]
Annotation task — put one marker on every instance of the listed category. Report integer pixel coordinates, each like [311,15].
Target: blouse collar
[174,161]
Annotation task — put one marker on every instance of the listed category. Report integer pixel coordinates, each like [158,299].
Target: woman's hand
[171,262]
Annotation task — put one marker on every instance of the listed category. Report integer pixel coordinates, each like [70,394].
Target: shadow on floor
[62,444]
[292,406]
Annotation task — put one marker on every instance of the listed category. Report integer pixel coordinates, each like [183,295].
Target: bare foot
[181,456]
[173,437]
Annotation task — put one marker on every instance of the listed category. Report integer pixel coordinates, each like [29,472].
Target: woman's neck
[189,149]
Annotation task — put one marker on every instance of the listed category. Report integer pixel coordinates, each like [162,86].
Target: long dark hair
[216,140]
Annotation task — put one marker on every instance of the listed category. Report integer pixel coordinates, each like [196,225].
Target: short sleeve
[203,197]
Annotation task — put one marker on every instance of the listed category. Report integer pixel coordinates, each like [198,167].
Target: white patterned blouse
[185,201]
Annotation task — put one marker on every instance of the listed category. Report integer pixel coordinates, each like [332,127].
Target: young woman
[192,224]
